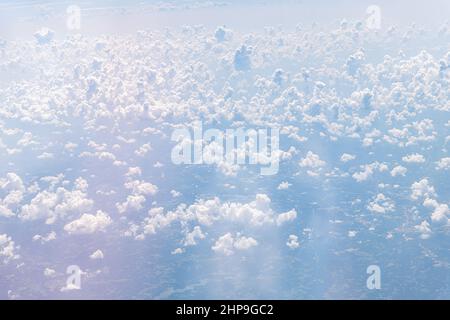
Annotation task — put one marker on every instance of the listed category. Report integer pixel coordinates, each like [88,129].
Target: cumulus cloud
[191,237]
[421,189]
[311,160]
[381,204]
[43,239]
[208,212]
[48,272]
[228,244]
[363,175]
[51,205]
[443,164]
[287,216]
[414,158]
[424,229]
[398,171]
[345,157]
[139,190]
[441,211]
[133,203]
[97,255]
[89,223]
[313,163]
[13,188]
[292,242]
[8,249]
[283,185]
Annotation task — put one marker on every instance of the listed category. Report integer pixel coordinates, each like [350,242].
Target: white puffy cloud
[256,213]
[8,249]
[381,204]
[424,229]
[284,185]
[398,171]
[193,235]
[443,164]
[414,158]
[139,189]
[441,211]
[97,255]
[227,244]
[345,157]
[13,189]
[133,203]
[352,233]
[45,156]
[143,150]
[43,239]
[208,212]
[287,216]
[363,175]
[177,251]
[293,242]
[244,243]
[422,188]
[175,193]
[89,223]
[311,160]
[48,272]
[51,205]
[133,171]
[12,182]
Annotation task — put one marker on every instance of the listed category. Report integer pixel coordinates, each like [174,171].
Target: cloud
[414,158]
[48,272]
[227,244]
[443,164]
[242,61]
[381,204]
[133,172]
[97,255]
[292,242]
[345,157]
[44,36]
[53,205]
[352,233]
[89,223]
[191,237]
[43,239]
[441,211]
[175,193]
[283,185]
[311,160]
[398,171]
[139,189]
[365,174]
[133,203]
[206,213]
[8,249]
[422,188]
[177,251]
[424,229]
[287,216]
[13,188]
